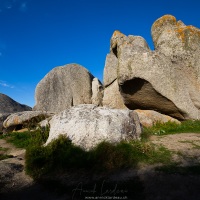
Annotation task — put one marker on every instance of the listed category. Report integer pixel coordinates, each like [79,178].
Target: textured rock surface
[3,117]
[97,92]
[64,87]
[112,97]
[149,117]
[8,105]
[88,125]
[24,119]
[165,80]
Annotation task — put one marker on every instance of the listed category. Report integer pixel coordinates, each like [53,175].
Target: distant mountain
[8,105]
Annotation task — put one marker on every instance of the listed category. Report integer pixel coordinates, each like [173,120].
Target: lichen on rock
[166,79]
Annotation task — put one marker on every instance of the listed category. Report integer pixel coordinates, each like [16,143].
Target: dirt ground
[144,183]
[186,147]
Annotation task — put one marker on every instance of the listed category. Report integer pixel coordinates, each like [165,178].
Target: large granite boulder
[26,119]
[64,87]
[88,125]
[8,105]
[166,79]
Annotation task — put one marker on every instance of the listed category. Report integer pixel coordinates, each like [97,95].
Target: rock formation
[8,105]
[24,119]
[166,79]
[88,125]
[64,87]
[149,117]
[97,92]
[112,97]
[3,117]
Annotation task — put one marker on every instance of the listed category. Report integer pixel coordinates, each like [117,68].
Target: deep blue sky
[38,35]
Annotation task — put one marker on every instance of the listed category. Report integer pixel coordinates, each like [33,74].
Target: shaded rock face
[64,87]
[166,79]
[145,96]
[88,125]
[24,119]
[149,117]
[8,105]
[3,117]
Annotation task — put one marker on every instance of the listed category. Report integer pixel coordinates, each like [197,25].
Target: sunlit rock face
[67,86]
[166,79]
[8,106]
[87,125]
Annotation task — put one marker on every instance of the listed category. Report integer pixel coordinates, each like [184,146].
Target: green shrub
[24,139]
[56,156]
[61,155]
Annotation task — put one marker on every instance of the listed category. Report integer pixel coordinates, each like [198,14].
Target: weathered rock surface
[88,125]
[149,117]
[165,80]
[24,119]
[8,105]
[64,87]
[3,117]
[97,92]
[112,97]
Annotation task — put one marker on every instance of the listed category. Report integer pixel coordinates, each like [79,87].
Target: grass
[3,156]
[189,126]
[61,155]
[3,149]
[27,138]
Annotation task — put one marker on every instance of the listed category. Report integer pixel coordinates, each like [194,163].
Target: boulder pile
[157,85]
[165,80]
